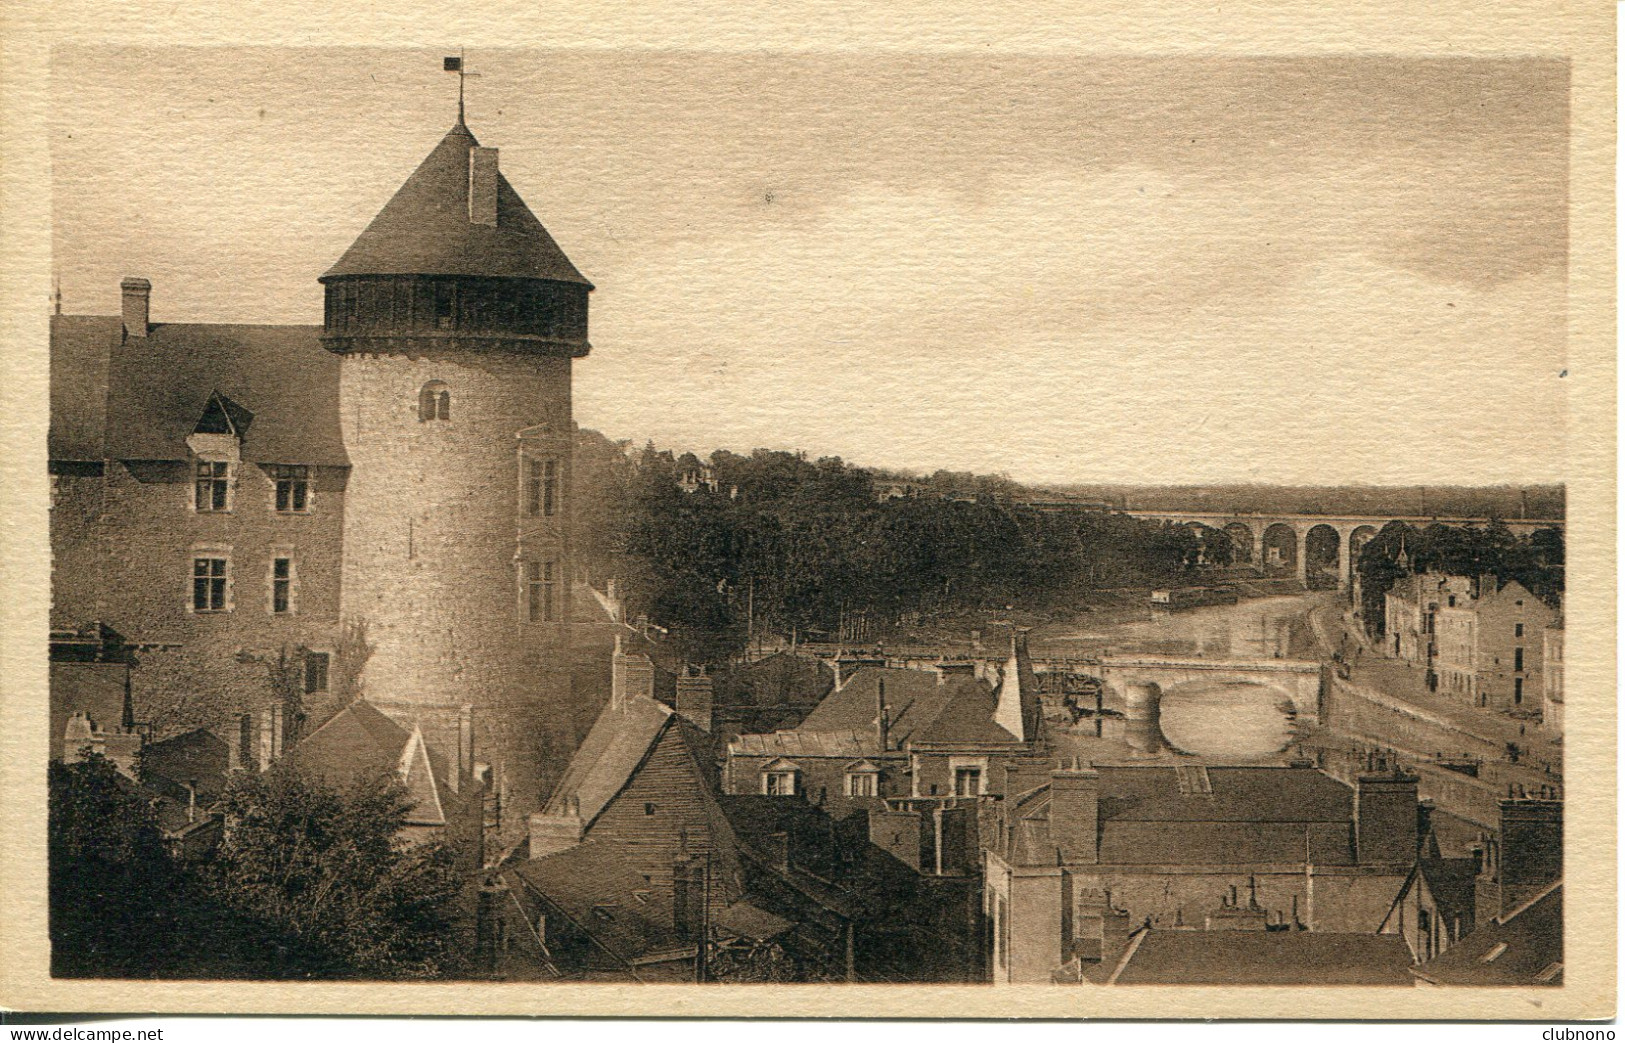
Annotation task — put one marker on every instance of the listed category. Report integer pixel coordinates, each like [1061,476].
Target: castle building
[296,516]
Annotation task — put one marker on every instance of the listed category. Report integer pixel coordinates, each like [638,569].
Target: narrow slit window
[281,586]
[541,590]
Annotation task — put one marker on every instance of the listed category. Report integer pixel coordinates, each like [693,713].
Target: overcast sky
[1064,268]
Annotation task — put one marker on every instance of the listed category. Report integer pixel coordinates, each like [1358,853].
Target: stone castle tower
[457,317]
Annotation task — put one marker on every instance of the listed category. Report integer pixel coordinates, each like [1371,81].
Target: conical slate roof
[425,229]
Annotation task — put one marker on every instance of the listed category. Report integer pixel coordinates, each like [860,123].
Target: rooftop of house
[1453,883]
[1237,797]
[1520,947]
[140,398]
[921,706]
[360,744]
[1175,957]
[425,229]
[603,764]
[592,887]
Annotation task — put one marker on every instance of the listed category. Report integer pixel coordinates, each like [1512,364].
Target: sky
[1085,268]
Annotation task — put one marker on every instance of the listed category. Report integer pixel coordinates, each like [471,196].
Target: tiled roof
[1272,800]
[800,743]
[361,744]
[81,346]
[592,886]
[612,750]
[425,228]
[1453,884]
[1168,957]
[1239,794]
[1521,947]
[915,698]
[139,398]
[967,718]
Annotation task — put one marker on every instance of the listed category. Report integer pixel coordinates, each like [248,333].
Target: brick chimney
[1525,859]
[137,306]
[694,698]
[1385,818]
[482,186]
[1074,813]
[631,675]
[558,828]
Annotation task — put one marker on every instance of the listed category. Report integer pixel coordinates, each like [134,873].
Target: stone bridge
[1281,542]
[1137,683]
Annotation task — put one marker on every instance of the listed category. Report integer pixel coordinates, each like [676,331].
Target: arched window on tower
[434,401]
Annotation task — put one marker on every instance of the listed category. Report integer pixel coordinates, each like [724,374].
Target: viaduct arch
[1280,542]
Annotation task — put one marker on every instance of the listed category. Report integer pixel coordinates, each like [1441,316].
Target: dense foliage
[1536,560]
[774,542]
[307,882]
[114,892]
[325,871]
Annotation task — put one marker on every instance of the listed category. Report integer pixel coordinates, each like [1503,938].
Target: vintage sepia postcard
[1025,513]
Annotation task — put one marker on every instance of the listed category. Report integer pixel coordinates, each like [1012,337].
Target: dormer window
[779,778]
[862,779]
[434,401]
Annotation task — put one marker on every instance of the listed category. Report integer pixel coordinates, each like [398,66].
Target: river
[1226,721]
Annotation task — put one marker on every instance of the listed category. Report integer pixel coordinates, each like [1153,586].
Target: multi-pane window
[213,485]
[208,584]
[292,488]
[316,672]
[281,585]
[861,784]
[541,591]
[779,783]
[541,487]
[967,782]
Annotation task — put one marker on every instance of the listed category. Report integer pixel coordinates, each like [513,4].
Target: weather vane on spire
[454,63]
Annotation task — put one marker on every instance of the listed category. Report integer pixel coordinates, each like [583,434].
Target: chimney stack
[694,699]
[558,828]
[1385,818]
[1529,856]
[1074,813]
[482,186]
[137,306]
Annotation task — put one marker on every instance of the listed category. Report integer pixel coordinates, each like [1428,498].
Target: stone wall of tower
[436,544]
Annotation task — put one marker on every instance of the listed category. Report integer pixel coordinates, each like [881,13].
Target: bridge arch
[1362,535]
[1242,541]
[1322,552]
[1259,718]
[1280,546]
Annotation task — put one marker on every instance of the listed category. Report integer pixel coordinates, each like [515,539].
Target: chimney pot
[137,294]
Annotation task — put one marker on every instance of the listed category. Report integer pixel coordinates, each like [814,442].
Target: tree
[114,891]
[325,873]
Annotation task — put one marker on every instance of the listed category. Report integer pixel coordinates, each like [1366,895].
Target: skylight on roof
[1494,954]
